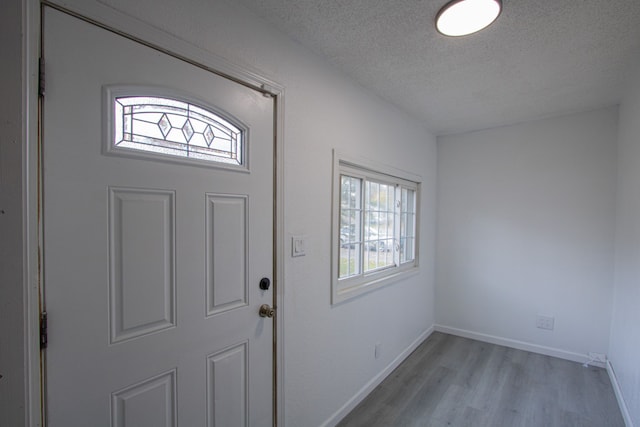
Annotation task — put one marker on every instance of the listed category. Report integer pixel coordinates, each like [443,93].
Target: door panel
[141,289]
[227,388]
[151,266]
[130,407]
[226,232]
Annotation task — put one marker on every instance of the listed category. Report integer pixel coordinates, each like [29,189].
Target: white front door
[158,228]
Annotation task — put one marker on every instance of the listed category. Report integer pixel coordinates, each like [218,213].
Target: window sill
[345,292]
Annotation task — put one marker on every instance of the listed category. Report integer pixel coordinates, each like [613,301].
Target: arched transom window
[175,128]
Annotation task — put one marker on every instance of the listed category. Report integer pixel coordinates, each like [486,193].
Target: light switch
[298,244]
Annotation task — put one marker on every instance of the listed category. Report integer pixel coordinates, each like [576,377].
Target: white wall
[525,227]
[329,350]
[624,350]
[12,386]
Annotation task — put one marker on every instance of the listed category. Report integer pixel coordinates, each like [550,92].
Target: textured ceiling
[540,58]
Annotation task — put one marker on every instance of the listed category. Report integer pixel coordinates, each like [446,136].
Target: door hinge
[44,338]
[41,77]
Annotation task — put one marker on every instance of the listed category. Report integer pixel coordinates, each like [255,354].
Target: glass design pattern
[175,128]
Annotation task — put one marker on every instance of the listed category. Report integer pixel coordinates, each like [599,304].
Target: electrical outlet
[545,322]
[598,357]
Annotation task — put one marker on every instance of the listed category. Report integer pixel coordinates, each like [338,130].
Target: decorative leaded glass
[175,128]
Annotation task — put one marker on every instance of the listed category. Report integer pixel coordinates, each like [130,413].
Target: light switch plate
[298,246]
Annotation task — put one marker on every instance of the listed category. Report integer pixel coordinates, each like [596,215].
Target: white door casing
[151,267]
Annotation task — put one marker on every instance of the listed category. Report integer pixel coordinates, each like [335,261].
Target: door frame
[146,34]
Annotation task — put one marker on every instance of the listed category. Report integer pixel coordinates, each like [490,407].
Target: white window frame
[350,287]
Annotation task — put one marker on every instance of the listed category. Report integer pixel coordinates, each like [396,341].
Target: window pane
[407,225]
[350,219]
[378,230]
[345,191]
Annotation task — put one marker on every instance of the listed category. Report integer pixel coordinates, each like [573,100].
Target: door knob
[266,311]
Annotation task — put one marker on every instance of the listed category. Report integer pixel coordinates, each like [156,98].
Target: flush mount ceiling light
[462,17]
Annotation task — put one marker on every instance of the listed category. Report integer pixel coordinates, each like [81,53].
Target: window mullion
[363,212]
[358,218]
[396,224]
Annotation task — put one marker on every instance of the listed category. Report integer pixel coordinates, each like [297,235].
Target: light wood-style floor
[453,381]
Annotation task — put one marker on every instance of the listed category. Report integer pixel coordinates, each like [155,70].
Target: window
[375,226]
[150,125]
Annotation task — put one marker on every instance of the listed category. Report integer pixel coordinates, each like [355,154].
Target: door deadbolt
[266,311]
[265,283]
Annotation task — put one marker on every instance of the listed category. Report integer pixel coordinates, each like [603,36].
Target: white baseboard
[520,345]
[626,416]
[375,381]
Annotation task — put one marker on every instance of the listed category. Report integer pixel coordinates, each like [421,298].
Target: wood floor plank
[454,381]
[427,397]
[453,407]
[471,370]
[492,378]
